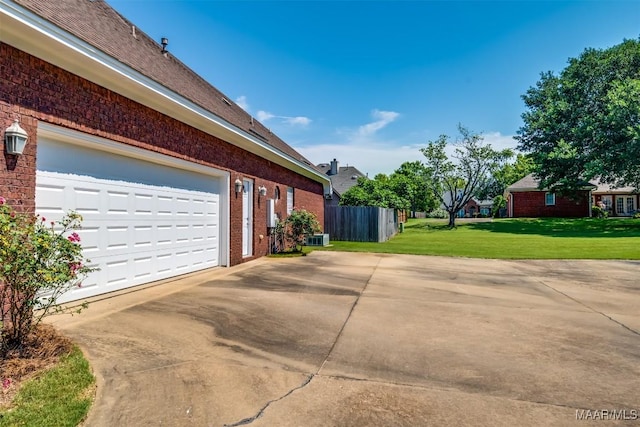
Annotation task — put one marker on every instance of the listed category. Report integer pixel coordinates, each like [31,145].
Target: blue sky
[371,82]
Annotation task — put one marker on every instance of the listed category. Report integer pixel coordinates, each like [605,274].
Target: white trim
[27,31]
[64,135]
[70,136]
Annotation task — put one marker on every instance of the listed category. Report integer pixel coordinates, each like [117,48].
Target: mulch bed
[43,348]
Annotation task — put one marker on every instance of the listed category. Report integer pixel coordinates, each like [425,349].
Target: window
[550,199]
[289,200]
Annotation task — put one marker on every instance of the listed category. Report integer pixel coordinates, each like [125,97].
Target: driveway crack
[249,420]
[591,308]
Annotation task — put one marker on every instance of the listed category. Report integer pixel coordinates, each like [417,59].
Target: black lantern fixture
[15,138]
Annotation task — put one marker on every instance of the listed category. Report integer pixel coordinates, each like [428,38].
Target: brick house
[170,176]
[617,201]
[342,178]
[525,199]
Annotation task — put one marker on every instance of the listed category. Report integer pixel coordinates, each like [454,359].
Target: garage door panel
[135,233]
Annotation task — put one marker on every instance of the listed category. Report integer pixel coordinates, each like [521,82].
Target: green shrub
[598,212]
[39,261]
[636,215]
[300,223]
[438,213]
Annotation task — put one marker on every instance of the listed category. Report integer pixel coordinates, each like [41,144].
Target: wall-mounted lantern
[238,186]
[262,190]
[15,138]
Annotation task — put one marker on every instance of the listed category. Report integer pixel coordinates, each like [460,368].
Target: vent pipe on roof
[164,42]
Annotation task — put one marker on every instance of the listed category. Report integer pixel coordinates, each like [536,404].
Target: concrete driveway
[340,339]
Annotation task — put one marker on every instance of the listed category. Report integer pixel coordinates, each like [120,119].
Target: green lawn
[60,396]
[549,238]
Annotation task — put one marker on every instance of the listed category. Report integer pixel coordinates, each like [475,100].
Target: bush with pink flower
[39,262]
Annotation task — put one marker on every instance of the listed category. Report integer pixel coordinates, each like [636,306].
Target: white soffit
[30,33]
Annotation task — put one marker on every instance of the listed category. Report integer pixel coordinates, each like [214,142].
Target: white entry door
[247,218]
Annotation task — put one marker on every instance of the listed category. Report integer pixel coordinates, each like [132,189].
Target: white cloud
[302,121]
[382,157]
[242,102]
[368,158]
[383,118]
[499,141]
[263,116]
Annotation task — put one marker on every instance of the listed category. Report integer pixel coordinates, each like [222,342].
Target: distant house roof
[530,183]
[484,202]
[346,177]
[101,26]
[609,189]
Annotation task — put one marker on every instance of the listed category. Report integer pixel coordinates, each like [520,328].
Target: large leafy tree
[585,122]
[505,175]
[455,179]
[405,188]
[410,182]
[374,192]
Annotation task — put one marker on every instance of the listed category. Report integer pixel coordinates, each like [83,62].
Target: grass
[60,396]
[545,238]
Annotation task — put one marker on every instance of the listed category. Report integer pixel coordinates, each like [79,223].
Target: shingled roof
[346,177]
[530,183]
[98,24]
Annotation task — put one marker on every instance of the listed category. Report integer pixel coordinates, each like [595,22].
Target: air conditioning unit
[317,240]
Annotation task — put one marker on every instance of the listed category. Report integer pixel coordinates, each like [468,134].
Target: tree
[454,181]
[585,122]
[409,181]
[405,188]
[374,192]
[505,175]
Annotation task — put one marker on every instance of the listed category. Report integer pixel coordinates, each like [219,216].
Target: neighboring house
[342,179]
[476,208]
[622,201]
[525,199]
[170,176]
[472,209]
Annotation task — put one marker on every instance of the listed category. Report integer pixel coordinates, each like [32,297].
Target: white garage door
[142,221]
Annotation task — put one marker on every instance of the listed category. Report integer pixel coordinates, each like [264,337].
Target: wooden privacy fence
[360,223]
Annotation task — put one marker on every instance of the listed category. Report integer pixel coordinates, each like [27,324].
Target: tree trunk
[452,219]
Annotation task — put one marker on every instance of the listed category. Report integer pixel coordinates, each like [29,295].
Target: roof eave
[30,33]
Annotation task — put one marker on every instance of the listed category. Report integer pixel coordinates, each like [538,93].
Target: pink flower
[74,237]
[2,201]
[6,383]
[43,219]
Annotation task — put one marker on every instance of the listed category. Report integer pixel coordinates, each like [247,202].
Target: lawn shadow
[562,227]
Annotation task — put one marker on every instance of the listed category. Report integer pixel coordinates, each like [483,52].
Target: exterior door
[247,218]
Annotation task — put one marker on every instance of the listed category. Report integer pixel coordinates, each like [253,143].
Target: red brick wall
[17,177]
[36,90]
[532,204]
